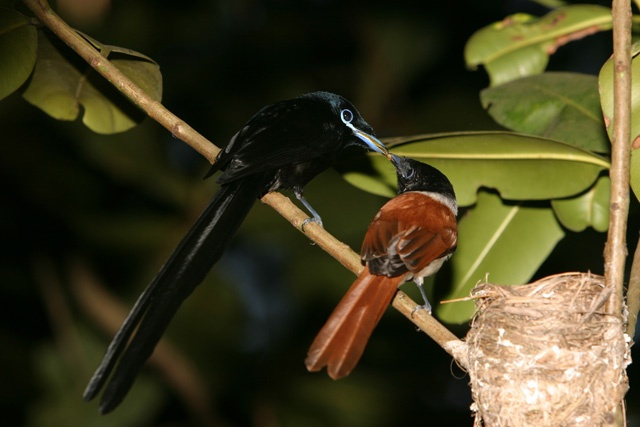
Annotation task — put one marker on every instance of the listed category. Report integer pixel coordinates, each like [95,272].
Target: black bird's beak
[374,143]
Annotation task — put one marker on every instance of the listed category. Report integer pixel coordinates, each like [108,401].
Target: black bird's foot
[312,219]
[314,215]
[426,306]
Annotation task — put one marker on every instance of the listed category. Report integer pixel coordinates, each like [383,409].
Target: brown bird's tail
[341,341]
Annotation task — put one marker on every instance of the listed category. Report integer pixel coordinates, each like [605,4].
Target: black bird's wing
[282,146]
[279,135]
[184,270]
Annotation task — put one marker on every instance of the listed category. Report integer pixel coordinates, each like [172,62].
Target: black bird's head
[417,176]
[346,115]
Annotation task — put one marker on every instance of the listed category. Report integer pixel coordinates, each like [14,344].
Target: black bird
[411,236]
[283,146]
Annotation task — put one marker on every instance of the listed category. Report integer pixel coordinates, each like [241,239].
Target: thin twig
[615,249]
[184,132]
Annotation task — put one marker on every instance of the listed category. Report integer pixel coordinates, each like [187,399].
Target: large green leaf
[551,4]
[605,81]
[520,44]
[560,106]
[505,242]
[62,83]
[18,46]
[635,172]
[520,167]
[590,209]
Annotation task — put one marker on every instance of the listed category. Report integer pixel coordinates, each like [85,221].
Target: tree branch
[427,324]
[615,249]
[180,129]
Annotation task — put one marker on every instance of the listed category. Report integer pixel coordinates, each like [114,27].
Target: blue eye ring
[346,116]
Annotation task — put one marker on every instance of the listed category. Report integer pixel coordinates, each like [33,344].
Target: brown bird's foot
[426,305]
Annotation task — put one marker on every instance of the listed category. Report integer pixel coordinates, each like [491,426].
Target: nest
[547,354]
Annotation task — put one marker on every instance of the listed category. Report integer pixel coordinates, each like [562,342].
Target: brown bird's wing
[341,341]
[408,233]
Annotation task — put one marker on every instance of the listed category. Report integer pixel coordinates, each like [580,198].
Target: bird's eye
[410,173]
[346,116]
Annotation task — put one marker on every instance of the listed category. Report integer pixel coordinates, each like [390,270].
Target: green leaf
[635,172]
[560,106]
[505,243]
[590,209]
[141,69]
[551,4]
[520,45]
[18,46]
[62,82]
[520,167]
[605,80]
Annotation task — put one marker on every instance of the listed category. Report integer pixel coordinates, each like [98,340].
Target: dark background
[115,206]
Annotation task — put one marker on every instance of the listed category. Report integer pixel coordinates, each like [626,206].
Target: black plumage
[283,146]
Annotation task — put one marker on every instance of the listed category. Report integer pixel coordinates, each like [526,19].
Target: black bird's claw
[314,215]
[314,219]
[426,306]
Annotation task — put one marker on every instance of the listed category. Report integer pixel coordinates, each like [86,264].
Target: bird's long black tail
[187,267]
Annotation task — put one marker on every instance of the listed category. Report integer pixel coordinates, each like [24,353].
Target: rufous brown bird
[411,236]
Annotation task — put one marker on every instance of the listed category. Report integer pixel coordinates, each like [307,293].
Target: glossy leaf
[551,4]
[590,209]
[520,45]
[18,46]
[635,172]
[605,81]
[520,167]
[560,106]
[62,83]
[505,243]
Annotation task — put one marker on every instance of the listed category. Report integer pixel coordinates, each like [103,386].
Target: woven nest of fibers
[547,353]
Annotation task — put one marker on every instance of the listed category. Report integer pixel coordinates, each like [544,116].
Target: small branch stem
[180,129]
[615,249]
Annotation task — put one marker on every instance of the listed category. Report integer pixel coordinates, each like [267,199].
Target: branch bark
[181,130]
[615,249]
